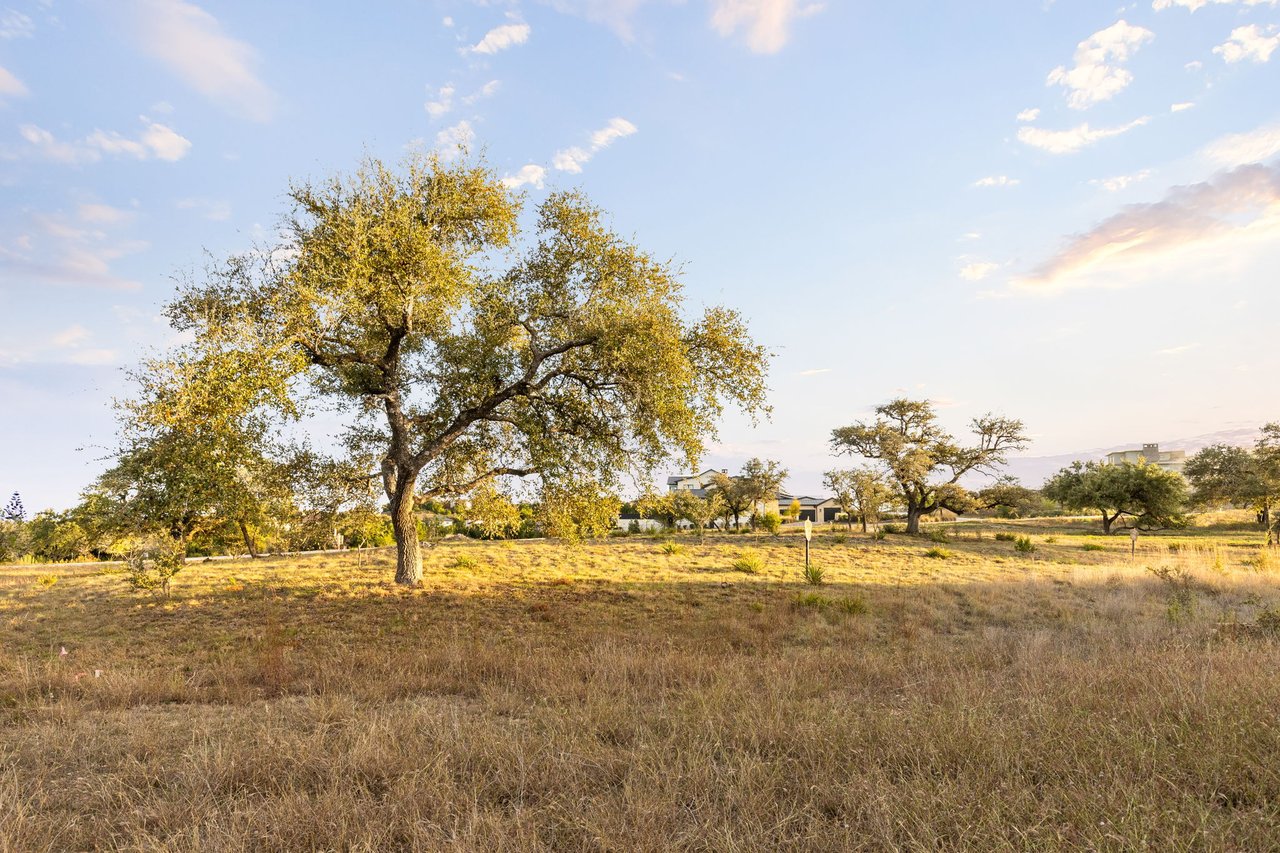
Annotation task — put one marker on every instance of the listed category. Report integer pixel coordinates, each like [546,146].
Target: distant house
[817,510]
[696,483]
[1168,460]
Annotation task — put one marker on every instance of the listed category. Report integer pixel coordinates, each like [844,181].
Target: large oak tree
[923,461]
[463,352]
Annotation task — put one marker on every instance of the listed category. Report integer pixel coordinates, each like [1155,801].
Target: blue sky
[1066,212]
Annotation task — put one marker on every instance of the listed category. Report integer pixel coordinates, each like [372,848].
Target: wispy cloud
[1073,139]
[1251,42]
[996,181]
[1029,114]
[1178,350]
[156,141]
[1238,149]
[193,45]
[978,270]
[814,372]
[1098,73]
[1225,213]
[214,210]
[16,25]
[442,102]
[1193,5]
[1180,107]
[1119,182]
[500,38]
[75,251]
[766,23]
[11,86]
[573,159]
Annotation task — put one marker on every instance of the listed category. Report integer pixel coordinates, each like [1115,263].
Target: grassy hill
[644,694]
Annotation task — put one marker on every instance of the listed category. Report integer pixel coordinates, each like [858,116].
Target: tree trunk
[913,519]
[404,524]
[1107,521]
[248,540]
[864,522]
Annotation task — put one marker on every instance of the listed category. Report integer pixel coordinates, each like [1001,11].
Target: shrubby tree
[861,493]
[13,510]
[737,495]
[571,365]
[1222,474]
[1144,494]
[1010,497]
[762,479]
[924,462]
[698,510]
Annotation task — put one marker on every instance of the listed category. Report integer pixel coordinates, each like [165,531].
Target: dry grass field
[644,694]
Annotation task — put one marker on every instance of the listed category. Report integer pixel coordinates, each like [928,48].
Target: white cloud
[103,214]
[11,86]
[1177,108]
[1251,42]
[501,38]
[531,174]
[455,140]
[61,251]
[978,270]
[766,22]
[1238,149]
[1200,4]
[71,336]
[996,181]
[1029,114]
[573,159]
[192,43]
[488,90]
[1221,218]
[1072,140]
[443,102]
[214,210]
[447,21]
[817,371]
[156,140]
[1097,74]
[1119,182]
[15,25]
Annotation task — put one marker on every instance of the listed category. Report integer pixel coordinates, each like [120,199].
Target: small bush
[672,548]
[1268,621]
[46,581]
[1006,537]
[771,522]
[1092,546]
[750,562]
[839,539]
[879,536]
[938,535]
[1049,540]
[892,528]
[813,574]
[465,561]
[938,554]
[1024,545]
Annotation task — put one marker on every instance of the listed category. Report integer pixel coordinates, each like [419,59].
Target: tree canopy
[1145,494]
[923,461]
[1222,474]
[390,302]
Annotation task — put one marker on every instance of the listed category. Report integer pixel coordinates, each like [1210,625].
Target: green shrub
[465,561]
[672,548]
[1024,545]
[771,522]
[892,528]
[1049,540]
[813,574]
[879,536]
[750,562]
[937,535]
[46,581]
[1006,537]
[817,601]
[839,539]
[938,554]
[1092,546]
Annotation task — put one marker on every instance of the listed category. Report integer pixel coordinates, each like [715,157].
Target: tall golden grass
[623,696]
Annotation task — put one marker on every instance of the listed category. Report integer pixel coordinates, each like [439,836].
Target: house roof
[806,501]
[680,478]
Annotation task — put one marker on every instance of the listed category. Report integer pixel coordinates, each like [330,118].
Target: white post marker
[1133,543]
[808,534]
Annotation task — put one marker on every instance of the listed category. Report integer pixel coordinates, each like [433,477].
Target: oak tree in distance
[923,462]
[461,352]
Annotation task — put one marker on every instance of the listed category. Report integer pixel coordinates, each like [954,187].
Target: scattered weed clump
[465,562]
[878,536]
[750,562]
[46,581]
[839,539]
[1092,546]
[938,554]
[1004,536]
[1024,545]
[813,574]
[938,535]
[892,528]
[853,606]
[672,548]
